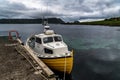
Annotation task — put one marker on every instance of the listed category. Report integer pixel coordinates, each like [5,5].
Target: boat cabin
[48,44]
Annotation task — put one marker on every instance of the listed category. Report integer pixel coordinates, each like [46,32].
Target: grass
[106,23]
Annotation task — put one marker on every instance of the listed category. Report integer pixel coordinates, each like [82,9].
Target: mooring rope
[64,69]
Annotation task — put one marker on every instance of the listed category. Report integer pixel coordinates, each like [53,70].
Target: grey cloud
[6,13]
[39,14]
[13,10]
[16,6]
[68,10]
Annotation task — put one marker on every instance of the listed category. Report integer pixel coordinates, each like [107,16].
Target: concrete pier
[18,63]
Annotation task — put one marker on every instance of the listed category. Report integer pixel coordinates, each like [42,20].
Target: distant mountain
[31,21]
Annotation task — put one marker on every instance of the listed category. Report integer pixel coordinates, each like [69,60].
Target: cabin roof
[44,35]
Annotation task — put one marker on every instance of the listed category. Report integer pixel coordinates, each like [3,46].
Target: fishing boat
[52,50]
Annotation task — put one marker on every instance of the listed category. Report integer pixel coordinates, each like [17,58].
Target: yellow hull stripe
[59,63]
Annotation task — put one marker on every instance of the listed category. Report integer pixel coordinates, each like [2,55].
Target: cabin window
[57,38]
[32,39]
[47,39]
[31,42]
[48,51]
[38,40]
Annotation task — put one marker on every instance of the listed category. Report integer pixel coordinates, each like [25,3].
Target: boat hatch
[48,51]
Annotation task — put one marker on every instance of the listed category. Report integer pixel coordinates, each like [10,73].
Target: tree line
[33,21]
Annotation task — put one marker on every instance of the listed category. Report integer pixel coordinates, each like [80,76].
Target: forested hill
[115,21]
[31,21]
[106,22]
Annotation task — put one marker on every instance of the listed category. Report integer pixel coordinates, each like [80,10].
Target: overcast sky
[68,10]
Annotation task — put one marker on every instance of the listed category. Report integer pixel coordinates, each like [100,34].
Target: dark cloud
[6,13]
[11,10]
[68,10]
[15,6]
[39,14]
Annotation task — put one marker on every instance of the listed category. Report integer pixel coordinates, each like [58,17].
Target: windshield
[57,38]
[48,39]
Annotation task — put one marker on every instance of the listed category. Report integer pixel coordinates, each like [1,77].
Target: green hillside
[106,22]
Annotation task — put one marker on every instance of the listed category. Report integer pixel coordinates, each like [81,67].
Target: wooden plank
[43,66]
[40,62]
[19,41]
[37,68]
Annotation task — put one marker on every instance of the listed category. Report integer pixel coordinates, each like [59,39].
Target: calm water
[97,48]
